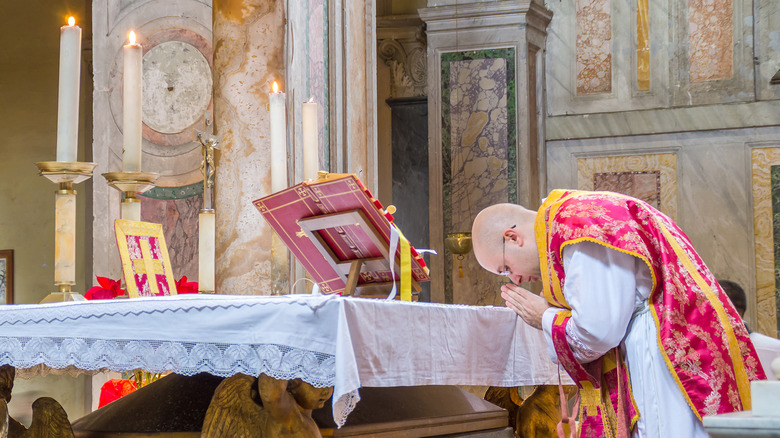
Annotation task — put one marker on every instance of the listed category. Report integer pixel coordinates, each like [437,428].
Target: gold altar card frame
[7,276]
[142,249]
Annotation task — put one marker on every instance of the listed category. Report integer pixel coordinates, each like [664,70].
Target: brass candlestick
[65,174]
[131,184]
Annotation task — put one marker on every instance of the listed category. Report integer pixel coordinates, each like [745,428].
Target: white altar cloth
[328,340]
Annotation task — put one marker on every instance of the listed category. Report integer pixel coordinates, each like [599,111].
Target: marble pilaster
[249,41]
[486,141]
[353,74]
[765,163]
[402,87]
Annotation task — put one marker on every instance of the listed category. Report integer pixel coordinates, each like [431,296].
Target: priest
[630,311]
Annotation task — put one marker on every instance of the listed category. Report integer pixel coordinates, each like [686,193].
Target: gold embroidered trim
[635,254]
[590,397]
[540,229]
[743,384]
[561,316]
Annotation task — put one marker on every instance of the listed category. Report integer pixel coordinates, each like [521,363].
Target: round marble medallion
[177,86]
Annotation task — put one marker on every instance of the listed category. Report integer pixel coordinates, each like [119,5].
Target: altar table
[325,340]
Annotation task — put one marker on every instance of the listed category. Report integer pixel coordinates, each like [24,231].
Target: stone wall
[698,136]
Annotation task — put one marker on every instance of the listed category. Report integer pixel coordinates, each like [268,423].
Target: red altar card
[145,261]
[333,222]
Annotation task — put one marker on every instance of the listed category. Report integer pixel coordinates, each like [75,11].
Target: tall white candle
[278,118]
[131,108]
[68,99]
[311,148]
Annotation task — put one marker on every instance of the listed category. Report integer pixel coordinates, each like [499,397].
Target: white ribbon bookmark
[394,237]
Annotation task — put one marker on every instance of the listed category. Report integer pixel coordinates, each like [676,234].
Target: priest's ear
[512,234]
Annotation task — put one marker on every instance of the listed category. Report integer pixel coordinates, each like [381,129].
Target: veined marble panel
[250,35]
[479,153]
[594,47]
[642,45]
[179,218]
[650,177]
[767,47]
[644,185]
[710,34]
[764,223]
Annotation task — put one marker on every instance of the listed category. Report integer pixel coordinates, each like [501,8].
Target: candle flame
[71,21]
[276,87]
[131,37]
[311,99]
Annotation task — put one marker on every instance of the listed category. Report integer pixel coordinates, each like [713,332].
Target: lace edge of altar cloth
[64,356]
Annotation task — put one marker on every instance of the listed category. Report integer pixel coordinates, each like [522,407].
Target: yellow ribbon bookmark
[406,267]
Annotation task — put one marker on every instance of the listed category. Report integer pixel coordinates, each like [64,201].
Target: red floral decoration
[115,389]
[186,287]
[106,290]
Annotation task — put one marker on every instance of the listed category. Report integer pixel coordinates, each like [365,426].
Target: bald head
[490,225]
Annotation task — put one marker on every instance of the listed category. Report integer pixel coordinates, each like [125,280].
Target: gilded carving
[537,415]
[49,419]
[263,407]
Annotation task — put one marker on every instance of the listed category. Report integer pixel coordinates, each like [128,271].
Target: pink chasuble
[700,335]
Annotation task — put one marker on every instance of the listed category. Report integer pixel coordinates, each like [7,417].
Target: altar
[325,340]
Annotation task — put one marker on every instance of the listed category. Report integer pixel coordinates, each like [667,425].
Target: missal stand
[349,270]
[341,235]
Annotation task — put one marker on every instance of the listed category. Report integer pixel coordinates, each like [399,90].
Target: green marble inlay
[775,172]
[325,73]
[468,102]
[169,193]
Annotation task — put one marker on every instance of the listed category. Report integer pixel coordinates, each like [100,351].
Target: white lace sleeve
[600,287]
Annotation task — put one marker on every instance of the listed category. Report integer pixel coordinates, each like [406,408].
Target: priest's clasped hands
[525,303]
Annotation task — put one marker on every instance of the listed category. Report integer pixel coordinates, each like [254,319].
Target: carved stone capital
[402,47]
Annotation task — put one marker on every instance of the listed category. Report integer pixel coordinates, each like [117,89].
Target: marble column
[485,125]
[249,42]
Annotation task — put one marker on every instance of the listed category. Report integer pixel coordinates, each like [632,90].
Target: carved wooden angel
[538,415]
[264,407]
[49,419]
